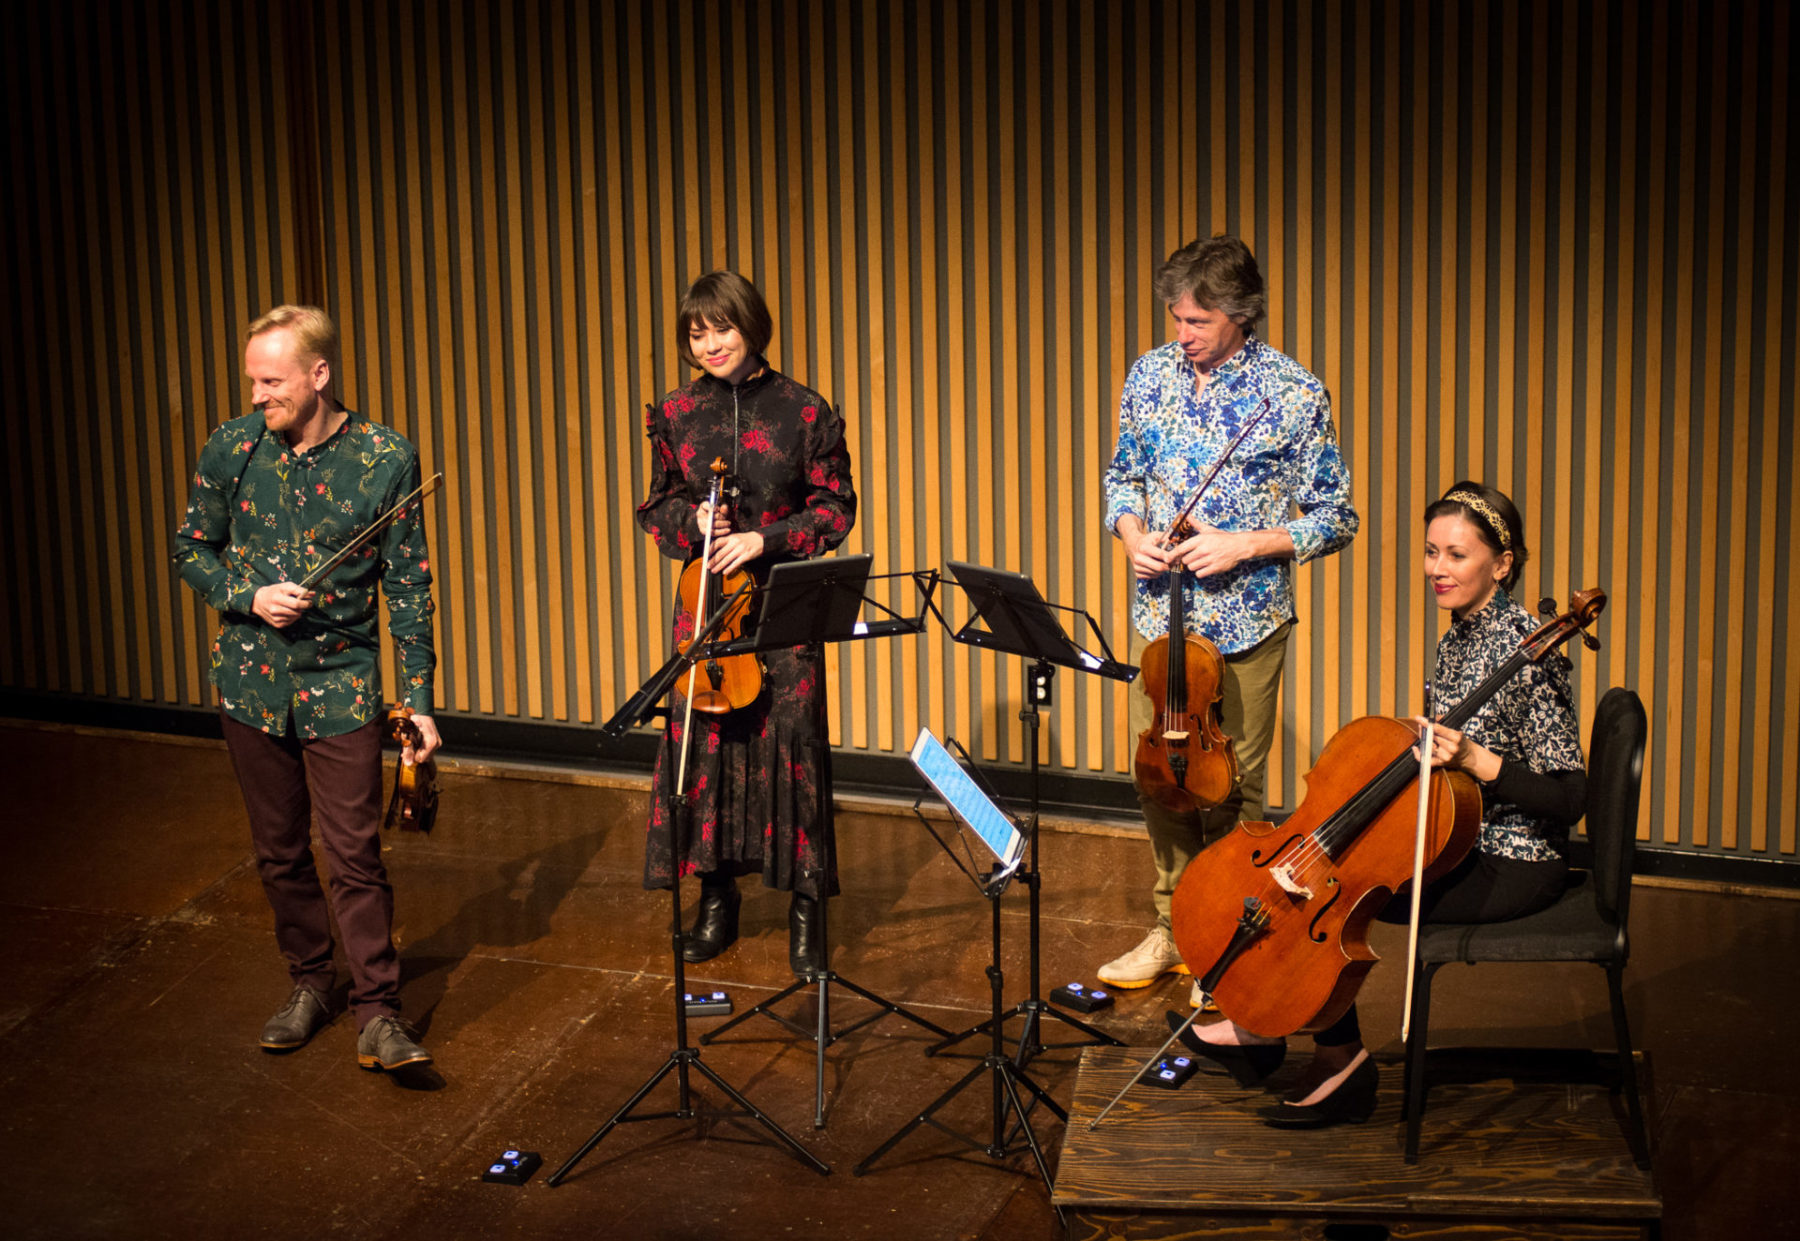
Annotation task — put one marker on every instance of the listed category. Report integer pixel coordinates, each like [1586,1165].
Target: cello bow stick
[1426,741]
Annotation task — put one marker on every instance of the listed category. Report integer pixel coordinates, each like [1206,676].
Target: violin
[1185,761]
[736,680]
[414,804]
[1282,914]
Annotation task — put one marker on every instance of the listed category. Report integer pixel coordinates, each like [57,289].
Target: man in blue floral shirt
[298,671]
[1283,495]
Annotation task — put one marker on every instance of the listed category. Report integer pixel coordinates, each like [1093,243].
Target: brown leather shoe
[304,1015]
[389,1043]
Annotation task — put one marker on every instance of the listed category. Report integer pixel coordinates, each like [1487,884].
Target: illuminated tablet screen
[965,798]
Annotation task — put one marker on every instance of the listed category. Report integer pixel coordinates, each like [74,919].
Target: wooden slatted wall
[1548,245]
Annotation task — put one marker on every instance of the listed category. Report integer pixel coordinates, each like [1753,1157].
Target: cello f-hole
[1312,928]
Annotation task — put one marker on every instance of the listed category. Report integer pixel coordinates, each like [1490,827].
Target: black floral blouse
[1530,722]
[752,781]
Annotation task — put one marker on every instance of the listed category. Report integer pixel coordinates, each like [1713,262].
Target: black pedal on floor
[705,1003]
[1171,1071]
[513,1167]
[1081,999]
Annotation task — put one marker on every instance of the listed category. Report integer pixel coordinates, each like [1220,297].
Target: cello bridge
[1284,875]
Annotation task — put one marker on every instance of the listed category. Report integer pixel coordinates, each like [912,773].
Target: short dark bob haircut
[1494,511]
[723,299]
[1220,274]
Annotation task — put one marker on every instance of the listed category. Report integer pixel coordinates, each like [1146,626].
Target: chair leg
[1640,1132]
[1413,1099]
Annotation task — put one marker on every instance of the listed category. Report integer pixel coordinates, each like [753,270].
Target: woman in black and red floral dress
[752,773]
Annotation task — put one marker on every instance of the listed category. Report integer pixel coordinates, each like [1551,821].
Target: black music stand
[1020,621]
[975,806]
[640,707]
[809,603]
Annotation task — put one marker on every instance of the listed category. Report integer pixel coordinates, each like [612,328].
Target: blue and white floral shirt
[1169,437]
[1530,720]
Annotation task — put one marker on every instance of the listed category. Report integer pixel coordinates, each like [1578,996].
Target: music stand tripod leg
[822,1035]
[683,1058]
[1005,1078]
[1034,1007]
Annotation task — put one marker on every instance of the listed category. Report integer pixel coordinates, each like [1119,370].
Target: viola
[414,804]
[735,680]
[1281,915]
[1185,760]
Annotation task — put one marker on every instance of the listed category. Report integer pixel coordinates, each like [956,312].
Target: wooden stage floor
[1511,1155]
[134,1101]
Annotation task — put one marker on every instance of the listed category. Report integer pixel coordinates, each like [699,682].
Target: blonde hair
[315,335]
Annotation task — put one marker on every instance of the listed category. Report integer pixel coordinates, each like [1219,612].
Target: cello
[1185,759]
[1282,914]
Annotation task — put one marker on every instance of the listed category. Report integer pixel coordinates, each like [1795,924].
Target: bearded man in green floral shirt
[275,494]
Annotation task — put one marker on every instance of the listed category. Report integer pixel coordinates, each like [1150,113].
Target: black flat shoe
[716,926]
[806,955]
[1248,1066]
[1351,1103]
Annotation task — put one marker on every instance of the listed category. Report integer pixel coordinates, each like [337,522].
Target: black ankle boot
[716,926]
[806,953]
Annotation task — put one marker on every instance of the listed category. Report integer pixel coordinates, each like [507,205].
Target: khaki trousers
[1248,715]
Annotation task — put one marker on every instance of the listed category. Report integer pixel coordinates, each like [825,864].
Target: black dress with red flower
[752,778]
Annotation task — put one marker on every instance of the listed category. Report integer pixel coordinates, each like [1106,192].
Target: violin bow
[687,732]
[1181,518]
[374,528]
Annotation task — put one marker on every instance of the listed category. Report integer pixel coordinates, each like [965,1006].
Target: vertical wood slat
[990,345]
[1678,773]
[1527,275]
[1777,341]
[956,718]
[1299,695]
[1784,338]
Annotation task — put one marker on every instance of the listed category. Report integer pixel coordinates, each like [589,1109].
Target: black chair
[1587,924]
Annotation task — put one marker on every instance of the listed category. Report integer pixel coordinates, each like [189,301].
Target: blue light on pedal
[1168,1075]
[1098,995]
[1181,1062]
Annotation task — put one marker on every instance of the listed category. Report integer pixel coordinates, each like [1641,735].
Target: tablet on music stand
[968,802]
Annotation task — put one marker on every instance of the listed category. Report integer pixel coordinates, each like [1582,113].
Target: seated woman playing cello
[1523,746]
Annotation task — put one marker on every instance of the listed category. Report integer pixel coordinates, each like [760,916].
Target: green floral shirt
[260,513]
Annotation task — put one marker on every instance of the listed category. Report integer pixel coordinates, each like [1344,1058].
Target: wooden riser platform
[1508,1157]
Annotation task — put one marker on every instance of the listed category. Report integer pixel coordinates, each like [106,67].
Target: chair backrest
[1615,771]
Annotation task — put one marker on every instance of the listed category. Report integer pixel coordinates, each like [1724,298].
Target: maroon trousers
[288,782]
